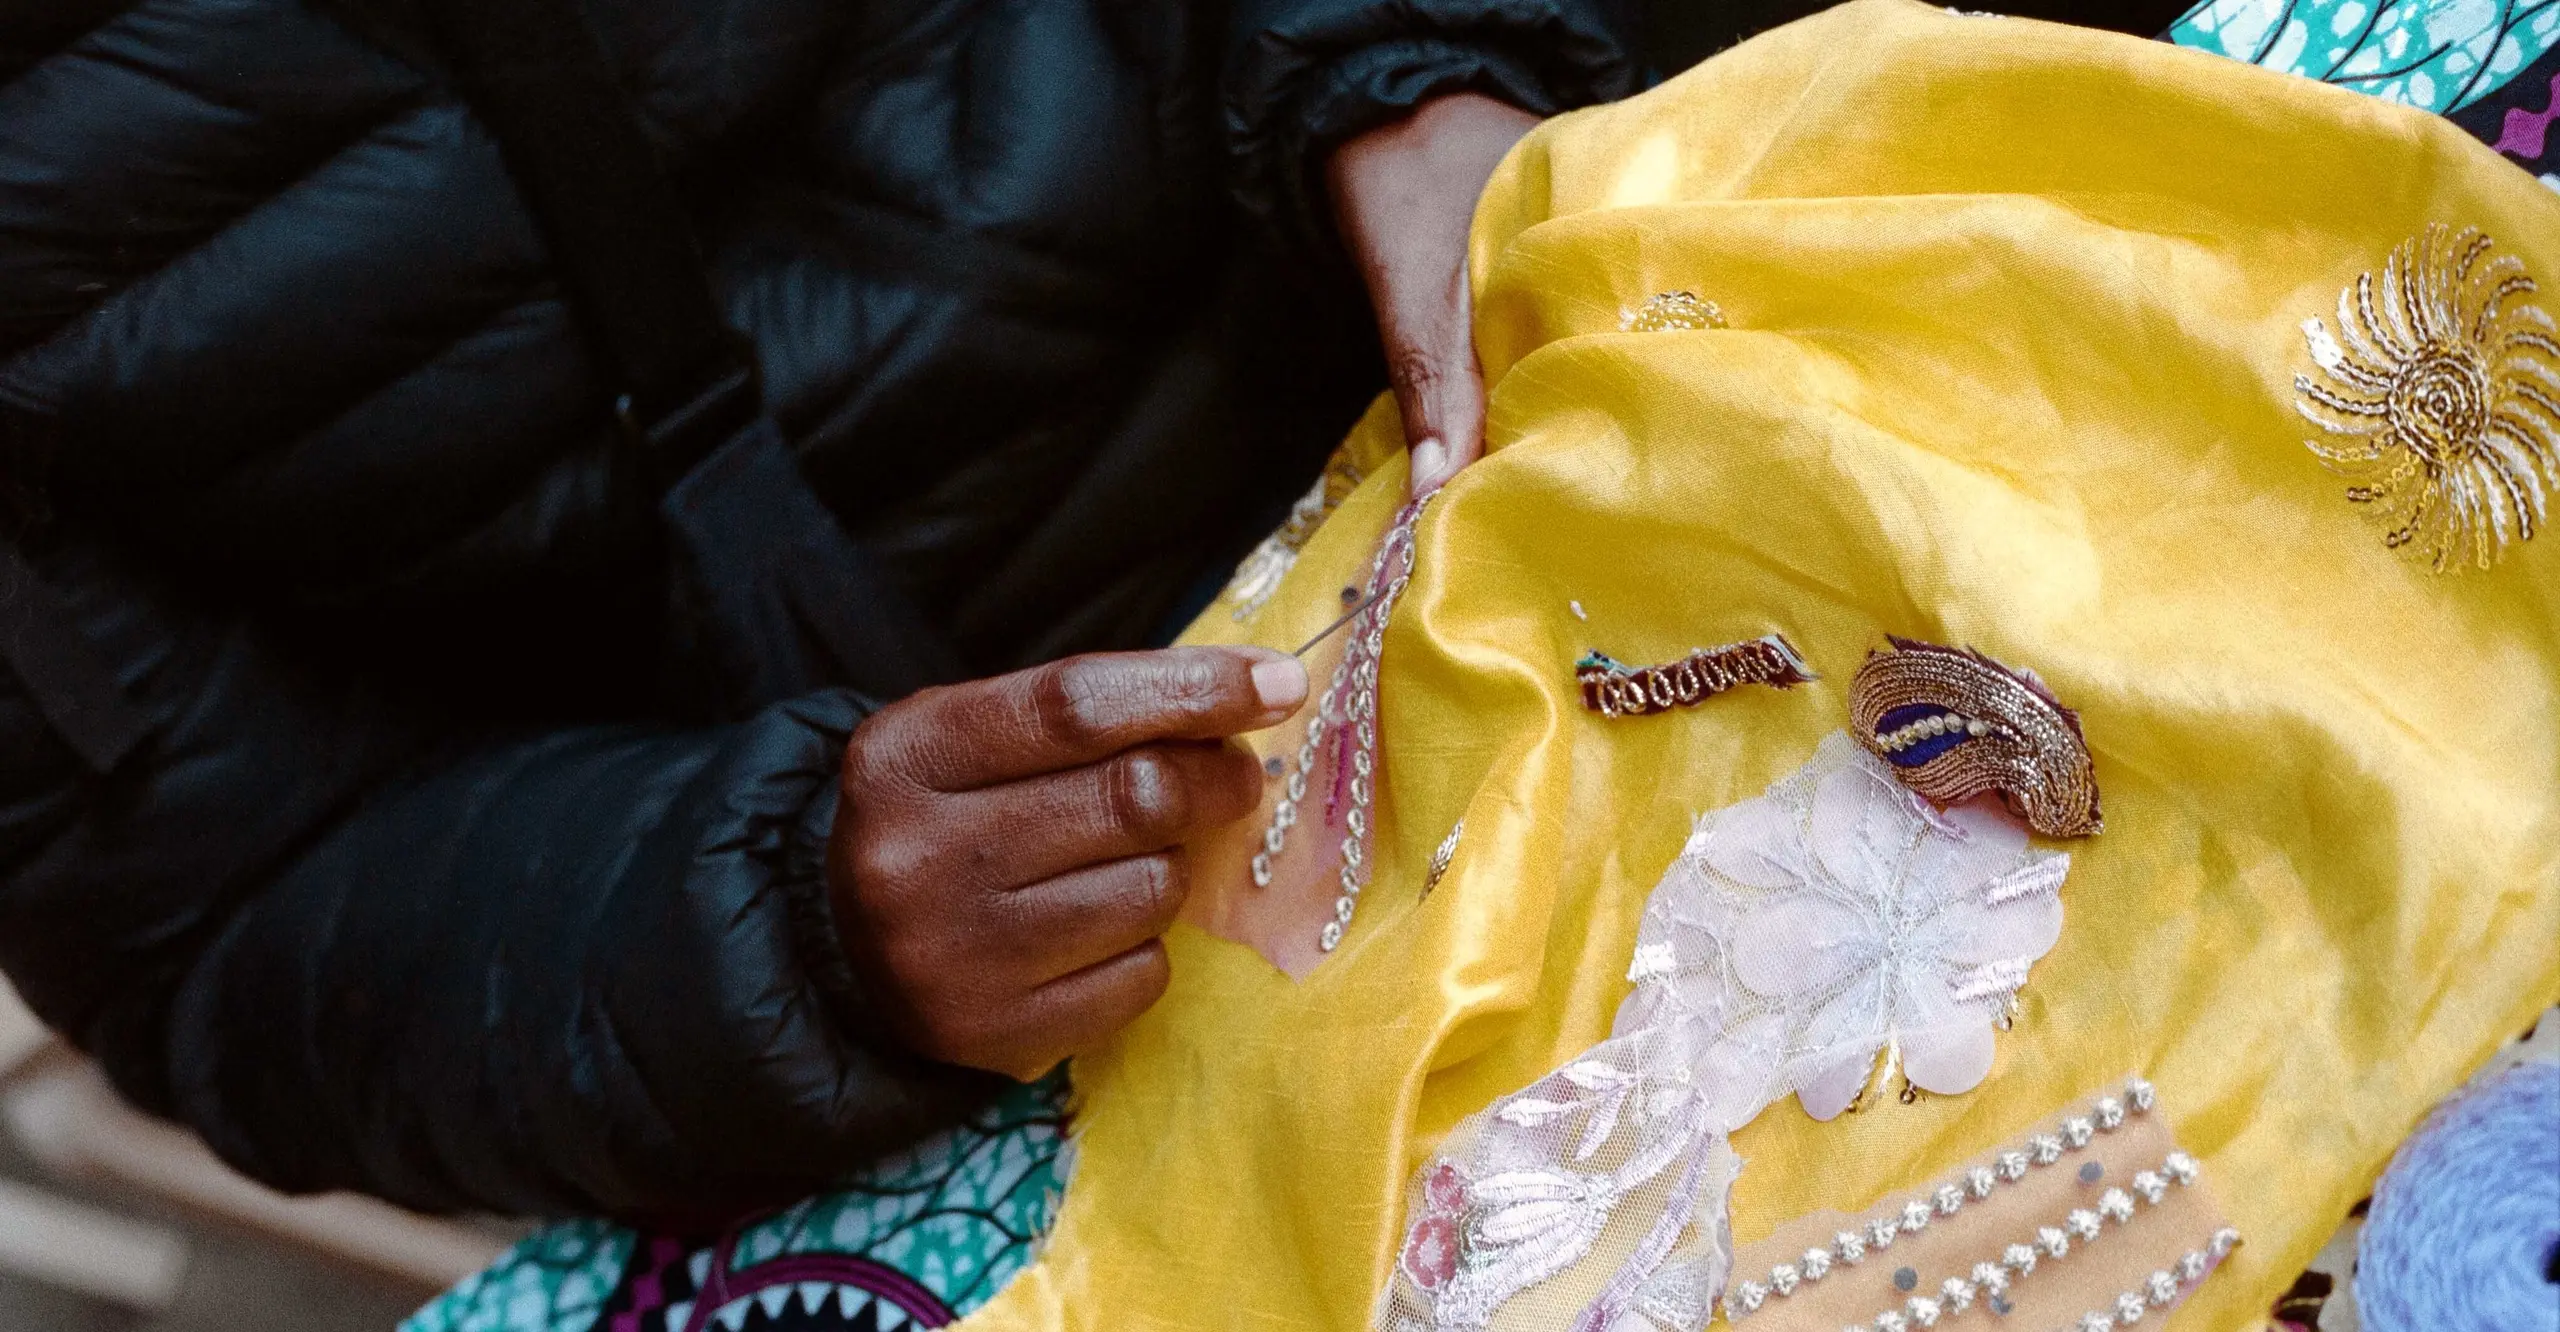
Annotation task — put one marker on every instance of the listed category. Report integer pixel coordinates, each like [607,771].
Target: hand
[1404,195]
[1002,862]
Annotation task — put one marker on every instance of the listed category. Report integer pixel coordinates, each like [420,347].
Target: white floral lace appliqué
[1799,935]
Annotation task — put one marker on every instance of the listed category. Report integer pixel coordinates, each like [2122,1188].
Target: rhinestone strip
[1347,716]
[1851,1247]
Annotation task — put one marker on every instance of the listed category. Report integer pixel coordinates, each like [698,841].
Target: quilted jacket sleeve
[1303,75]
[584,970]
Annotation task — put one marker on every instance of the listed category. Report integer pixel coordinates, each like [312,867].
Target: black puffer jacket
[355,806]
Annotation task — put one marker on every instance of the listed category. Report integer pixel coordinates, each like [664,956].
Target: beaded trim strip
[1347,715]
[2163,1287]
[1850,1247]
[1614,689]
[1990,1280]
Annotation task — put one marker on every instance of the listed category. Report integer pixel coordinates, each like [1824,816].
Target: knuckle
[863,756]
[1160,882]
[884,866]
[1146,795]
[1414,369]
[1149,975]
[1067,704]
[1200,681]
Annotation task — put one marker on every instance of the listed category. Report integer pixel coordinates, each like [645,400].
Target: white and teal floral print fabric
[2436,55]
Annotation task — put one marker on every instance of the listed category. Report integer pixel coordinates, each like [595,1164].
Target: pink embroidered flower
[1431,1251]
[1444,1190]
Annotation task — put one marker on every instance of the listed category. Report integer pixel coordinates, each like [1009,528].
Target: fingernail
[1429,456]
[1280,683]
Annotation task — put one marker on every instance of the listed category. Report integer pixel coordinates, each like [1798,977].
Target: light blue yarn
[2464,1224]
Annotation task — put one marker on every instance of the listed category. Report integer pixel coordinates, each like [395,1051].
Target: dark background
[1680,33]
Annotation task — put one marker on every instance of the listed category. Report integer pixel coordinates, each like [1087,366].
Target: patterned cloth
[2491,66]
[919,1241]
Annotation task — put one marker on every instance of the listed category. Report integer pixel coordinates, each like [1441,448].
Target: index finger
[1084,709]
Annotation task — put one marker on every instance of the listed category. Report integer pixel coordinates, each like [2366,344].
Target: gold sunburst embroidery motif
[1671,310]
[2440,397]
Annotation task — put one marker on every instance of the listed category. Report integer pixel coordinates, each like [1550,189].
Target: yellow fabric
[2014,317]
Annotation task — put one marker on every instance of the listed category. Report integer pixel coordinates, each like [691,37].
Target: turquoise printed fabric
[2436,55]
[556,1281]
[918,1241]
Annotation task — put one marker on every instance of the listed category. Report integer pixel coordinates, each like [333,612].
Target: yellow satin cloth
[2014,322]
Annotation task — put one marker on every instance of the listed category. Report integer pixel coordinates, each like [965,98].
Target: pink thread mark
[2525,132]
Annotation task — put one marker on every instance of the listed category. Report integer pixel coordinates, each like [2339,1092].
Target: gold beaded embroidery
[1259,575]
[1956,724]
[1672,310]
[2441,396]
[1614,689]
[1443,857]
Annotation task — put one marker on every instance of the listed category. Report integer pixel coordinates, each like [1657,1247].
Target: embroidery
[1797,935]
[1977,1184]
[1441,857]
[1259,575]
[1347,715]
[2440,394]
[1954,725]
[1614,689]
[1672,310]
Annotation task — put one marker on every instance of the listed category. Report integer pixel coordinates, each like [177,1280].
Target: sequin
[2440,397]
[1956,724]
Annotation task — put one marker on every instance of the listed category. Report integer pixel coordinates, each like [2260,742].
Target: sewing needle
[1347,617]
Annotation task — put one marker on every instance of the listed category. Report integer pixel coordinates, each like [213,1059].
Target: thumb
[1439,388]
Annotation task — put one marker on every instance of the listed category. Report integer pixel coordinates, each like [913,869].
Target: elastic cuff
[1293,95]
